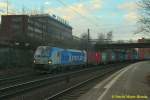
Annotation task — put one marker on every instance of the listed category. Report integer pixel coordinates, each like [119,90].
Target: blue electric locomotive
[49,58]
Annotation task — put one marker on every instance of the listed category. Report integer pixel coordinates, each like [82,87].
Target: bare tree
[120,41]
[145,16]
[101,38]
[109,36]
[85,41]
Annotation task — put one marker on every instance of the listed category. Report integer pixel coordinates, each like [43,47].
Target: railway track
[58,95]
[20,88]
[18,79]
[9,79]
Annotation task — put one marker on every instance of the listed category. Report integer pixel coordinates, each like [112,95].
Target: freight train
[47,58]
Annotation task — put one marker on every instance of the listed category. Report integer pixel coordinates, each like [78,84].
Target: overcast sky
[100,16]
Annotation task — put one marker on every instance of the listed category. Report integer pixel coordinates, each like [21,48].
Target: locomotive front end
[42,57]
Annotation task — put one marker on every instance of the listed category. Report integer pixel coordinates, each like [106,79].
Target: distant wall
[14,57]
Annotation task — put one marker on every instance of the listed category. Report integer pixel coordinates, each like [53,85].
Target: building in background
[144,52]
[12,27]
[27,28]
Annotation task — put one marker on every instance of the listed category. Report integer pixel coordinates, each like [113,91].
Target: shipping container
[109,56]
[129,55]
[135,55]
[113,56]
[104,57]
[121,56]
[116,56]
[94,58]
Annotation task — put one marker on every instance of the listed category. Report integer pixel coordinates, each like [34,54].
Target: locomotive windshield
[42,51]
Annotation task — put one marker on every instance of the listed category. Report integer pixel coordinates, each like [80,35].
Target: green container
[113,56]
[104,57]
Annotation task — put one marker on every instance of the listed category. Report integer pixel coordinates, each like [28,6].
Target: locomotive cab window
[42,51]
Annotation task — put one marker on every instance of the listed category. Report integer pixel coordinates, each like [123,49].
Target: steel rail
[53,97]
[12,90]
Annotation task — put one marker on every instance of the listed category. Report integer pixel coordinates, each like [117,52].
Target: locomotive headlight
[49,62]
[34,61]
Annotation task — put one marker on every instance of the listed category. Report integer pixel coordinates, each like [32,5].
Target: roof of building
[53,17]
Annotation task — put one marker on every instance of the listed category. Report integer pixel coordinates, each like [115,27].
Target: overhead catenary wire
[75,11]
[91,21]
